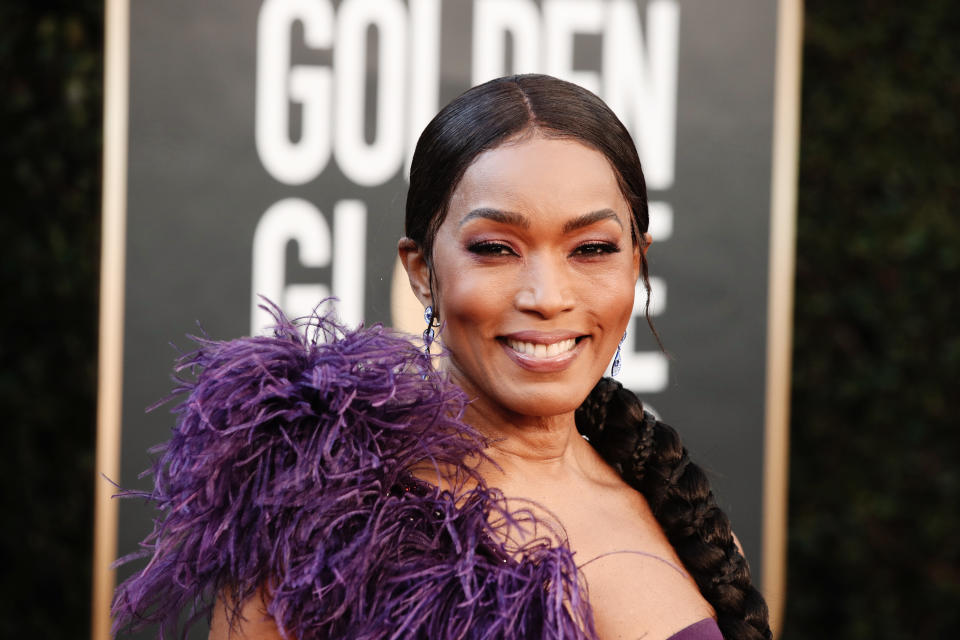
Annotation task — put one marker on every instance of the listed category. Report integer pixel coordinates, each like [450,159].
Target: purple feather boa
[288,471]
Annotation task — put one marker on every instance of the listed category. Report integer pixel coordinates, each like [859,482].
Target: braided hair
[646,452]
[649,456]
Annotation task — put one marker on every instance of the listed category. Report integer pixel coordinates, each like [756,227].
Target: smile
[538,350]
[543,352]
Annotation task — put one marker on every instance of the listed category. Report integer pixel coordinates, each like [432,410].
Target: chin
[526,394]
[546,400]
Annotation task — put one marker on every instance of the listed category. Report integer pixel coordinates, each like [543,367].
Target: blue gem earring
[615,367]
[428,332]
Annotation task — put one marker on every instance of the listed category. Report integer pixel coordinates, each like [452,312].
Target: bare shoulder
[254,622]
[637,583]
[638,594]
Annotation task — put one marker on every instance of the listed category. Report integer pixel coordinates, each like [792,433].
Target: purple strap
[645,554]
[706,629]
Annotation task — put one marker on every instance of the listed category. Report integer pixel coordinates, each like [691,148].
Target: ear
[418,271]
[645,241]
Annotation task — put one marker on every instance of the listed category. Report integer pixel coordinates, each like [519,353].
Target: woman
[426,512]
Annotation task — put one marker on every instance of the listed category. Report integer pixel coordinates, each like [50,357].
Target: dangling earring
[615,367]
[428,334]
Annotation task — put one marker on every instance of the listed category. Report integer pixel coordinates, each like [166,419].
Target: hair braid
[651,458]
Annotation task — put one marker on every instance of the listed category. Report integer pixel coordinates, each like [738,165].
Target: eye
[491,248]
[592,249]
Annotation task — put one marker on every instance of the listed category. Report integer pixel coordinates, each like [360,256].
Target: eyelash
[489,248]
[588,249]
[597,248]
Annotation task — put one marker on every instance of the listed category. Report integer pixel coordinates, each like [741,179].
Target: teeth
[542,350]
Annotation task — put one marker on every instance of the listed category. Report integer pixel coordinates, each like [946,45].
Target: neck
[531,455]
[527,451]
[533,439]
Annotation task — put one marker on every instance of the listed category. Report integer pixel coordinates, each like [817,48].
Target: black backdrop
[201,190]
[875,452]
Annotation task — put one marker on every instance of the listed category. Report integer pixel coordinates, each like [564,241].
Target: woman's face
[534,272]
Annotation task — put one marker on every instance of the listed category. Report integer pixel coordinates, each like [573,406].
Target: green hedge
[875,482]
[50,119]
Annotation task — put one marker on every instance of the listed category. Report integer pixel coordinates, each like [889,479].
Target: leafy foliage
[51,66]
[875,481]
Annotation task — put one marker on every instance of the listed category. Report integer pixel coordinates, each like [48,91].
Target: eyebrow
[519,220]
[497,215]
[588,219]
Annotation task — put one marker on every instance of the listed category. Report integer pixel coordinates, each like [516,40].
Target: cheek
[466,294]
[472,297]
[610,295]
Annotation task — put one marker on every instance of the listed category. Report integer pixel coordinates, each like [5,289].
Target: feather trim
[288,471]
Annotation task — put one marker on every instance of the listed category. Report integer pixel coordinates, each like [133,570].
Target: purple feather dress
[289,470]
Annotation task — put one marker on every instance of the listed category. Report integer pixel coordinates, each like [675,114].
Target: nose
[545,289]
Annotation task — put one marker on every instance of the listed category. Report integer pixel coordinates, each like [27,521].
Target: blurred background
[875,448]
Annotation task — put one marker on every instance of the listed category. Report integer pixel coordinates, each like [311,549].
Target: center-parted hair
[647,453]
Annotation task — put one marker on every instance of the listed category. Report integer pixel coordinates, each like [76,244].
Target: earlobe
[418,271]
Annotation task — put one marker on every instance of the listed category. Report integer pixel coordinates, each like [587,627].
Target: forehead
[538,175]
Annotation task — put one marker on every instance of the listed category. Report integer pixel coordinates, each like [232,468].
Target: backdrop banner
[268,148]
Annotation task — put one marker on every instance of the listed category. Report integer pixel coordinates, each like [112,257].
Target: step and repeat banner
[266,154]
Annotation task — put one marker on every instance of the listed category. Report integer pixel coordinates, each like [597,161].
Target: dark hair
[647,453]
[649,456]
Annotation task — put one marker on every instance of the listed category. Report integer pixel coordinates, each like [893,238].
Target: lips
[540,350]
[543,352]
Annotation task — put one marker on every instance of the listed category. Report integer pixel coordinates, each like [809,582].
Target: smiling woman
[526,223]
[348,488]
